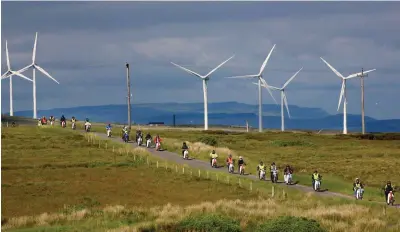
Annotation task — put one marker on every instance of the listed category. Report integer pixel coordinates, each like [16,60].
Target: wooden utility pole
[362,99]
[128,83]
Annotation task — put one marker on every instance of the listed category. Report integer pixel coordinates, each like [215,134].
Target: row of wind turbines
[205,78]
[262,83]
[10,73]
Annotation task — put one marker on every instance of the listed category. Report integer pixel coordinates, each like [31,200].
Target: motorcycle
[139,141]
[230,167]
[52,123]
[87,128]
[148,143]
[125,137]
[262,174]
[185,154]
[63,124]
[274,176]
[158,145]
[73,126]
[241,170]
[109,133]
[390,198]
[214,163]
[288,178]
[317,185]
[359,193]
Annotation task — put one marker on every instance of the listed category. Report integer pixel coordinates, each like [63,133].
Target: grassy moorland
[54,180]
[340,159]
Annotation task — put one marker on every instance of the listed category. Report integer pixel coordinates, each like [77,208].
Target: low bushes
[209,140]
[209,223]
[290,224]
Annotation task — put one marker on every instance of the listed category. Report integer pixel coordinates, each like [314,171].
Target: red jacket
[155,139]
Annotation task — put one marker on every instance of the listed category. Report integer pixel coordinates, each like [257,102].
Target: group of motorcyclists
[139,137]
[63,122]
[316,178]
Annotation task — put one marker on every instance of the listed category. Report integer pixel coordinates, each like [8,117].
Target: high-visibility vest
[316,176]
[261,167]
[229,160]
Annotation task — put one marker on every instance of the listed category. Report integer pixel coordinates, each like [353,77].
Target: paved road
[206,165]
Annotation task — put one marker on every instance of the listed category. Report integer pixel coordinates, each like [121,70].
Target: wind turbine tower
[261,81]
[283,98]
[343,91]
[8,74]
[204,79]
[35,66]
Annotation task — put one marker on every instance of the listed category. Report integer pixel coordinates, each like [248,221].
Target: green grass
[340,159]
[69,184]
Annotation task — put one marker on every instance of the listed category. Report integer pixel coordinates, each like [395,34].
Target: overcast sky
[85,45]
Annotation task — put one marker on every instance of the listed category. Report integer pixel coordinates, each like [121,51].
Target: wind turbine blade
[268,86]
[21,75]
[218,66]
[287,82]
[266,60]
[332,68]
[6,75]
[269,91]
[187,70]
[245,76]
[286,103]
[341,95]
[358,74]
[46,73]
[8,58]
[34,49]
[24,69]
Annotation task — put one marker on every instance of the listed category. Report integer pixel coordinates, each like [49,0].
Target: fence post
[157,163]
[251,186]
[147,161]
[106,145]
[284,194]
[217,177]
[176,168]
[240,185]
[273,191]
[183,170]
[199,173]
[166,165]
[227,179]
[113,149]
[134,157]
[88,138]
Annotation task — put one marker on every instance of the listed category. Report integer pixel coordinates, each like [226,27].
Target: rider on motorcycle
[272,169]
[213,155]
[148,136]
[87,124]
[315,176]
[229,161]
[157,140]
[240,163]
[108,127]
[73,119]
[388,187]
[184,147]
[357,185]
[287,172]
[62,119]
[260,167]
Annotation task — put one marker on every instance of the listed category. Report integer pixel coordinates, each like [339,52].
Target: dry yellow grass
[339,217]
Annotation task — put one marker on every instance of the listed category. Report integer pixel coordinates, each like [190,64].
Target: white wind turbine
[35,66]
[205,79]
[283,98]
[343,91]
[260,82]
[8,74]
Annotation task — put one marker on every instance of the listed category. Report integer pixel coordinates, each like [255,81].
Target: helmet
[213,151]
[240,157]
[273,163]
[261,162]
[388,182]
[231,156]
[315,171]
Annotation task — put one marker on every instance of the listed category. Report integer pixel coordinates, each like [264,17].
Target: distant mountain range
[222,113]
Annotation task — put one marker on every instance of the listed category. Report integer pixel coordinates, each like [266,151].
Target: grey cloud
[87,53]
